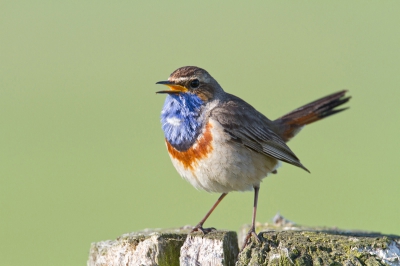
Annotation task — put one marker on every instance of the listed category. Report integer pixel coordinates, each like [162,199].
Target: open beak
[173,88]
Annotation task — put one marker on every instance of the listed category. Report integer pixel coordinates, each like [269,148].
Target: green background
[82,155]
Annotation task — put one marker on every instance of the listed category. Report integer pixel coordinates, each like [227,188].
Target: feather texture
[252,129]
[290,124]
[181,120]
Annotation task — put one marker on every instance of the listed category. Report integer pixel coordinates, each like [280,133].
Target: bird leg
[199,226]
[252,231]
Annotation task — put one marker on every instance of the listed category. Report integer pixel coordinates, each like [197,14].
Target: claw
[199,227]
[252,232]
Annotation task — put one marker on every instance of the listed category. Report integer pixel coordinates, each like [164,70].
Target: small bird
[220,143]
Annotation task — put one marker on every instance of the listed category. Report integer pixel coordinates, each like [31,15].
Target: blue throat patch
[181,120]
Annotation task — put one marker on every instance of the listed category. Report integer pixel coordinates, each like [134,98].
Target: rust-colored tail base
[290,124]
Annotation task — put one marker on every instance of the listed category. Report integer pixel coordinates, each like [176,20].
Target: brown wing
[252,129]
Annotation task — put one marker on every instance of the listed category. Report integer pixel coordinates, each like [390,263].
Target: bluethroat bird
[220,143]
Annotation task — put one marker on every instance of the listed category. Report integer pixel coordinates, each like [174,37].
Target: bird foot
[252,232]
[199,227]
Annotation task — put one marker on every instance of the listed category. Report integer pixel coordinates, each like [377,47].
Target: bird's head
[191,89]
[194,81]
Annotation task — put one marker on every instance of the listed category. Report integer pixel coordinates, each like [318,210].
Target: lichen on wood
[305,246]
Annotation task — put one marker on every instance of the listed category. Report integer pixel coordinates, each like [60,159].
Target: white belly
[228,167]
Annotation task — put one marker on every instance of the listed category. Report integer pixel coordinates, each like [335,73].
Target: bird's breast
[216,164]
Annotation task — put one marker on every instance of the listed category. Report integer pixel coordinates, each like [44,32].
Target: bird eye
[194,83]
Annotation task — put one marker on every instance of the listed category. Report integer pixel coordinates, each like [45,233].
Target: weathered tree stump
[282,243]
[166,247]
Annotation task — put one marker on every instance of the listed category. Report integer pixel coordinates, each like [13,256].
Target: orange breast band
[200,149]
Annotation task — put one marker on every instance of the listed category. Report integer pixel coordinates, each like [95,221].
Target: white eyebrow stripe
[180,79]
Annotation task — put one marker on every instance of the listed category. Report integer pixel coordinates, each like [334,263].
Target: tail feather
[290,124]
